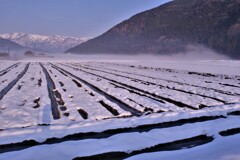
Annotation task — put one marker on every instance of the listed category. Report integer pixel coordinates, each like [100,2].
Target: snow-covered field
[86,107]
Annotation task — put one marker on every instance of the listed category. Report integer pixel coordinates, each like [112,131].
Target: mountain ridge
[44,43]
[171,27]
[7,45]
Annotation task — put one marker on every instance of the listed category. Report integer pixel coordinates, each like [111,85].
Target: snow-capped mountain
[51,44]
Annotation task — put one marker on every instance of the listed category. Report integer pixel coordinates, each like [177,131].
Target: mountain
[172,27]
[6,45]
[44,43]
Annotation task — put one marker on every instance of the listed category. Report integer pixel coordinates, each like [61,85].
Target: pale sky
[78,18]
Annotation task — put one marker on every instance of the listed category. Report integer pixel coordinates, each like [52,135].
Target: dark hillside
[169,28]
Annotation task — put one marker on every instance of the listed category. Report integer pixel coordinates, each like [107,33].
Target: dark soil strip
[58,97]
[235,113]
[19,87]
[230,132]
[106,156]
[174,71]
[11,84]
[170,146]
[177,103]
[61,83]
[66,114]
[60,71]
[161,86]
[63,108]
[191,93]
[109,108]
[77,83]
[23,102]
[229,85]
[135,92]
[146,109]
[106,95]
[105,134]
[202,74]
[40,82]
[36,101]
[83,113]
[91,94]
[5,71]
[180,83]
[51,87]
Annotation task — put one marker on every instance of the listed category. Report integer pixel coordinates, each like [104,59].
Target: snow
[222,148]
[5,64]
[81,100]
[18,103]
[219,91]
[10,76]
[12,35]
[126,141]
[169,79]
[38,37]
[52,44]
[41,133]
[229,67]
[192,100]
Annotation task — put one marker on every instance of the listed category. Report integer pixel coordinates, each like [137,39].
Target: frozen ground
[119,107]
